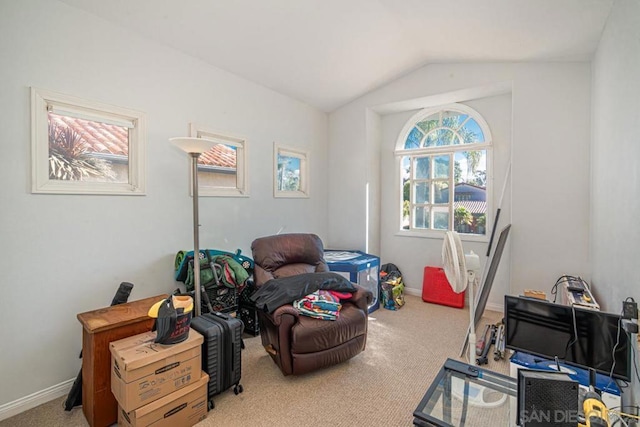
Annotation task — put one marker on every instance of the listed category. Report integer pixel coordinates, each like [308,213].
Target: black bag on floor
[221,351]
[74,398]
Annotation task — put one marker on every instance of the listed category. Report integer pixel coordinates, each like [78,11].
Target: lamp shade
[193,145]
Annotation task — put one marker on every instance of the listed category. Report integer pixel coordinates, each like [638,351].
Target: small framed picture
[291,172]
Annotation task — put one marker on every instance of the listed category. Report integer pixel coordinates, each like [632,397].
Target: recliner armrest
[361,297]
[283,310]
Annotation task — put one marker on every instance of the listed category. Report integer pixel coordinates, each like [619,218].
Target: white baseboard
[25,403]
[494,307]
[490,306]
[412,291]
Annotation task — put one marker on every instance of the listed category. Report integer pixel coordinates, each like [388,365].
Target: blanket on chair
[286,290]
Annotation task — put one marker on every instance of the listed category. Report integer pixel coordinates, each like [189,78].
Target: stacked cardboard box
[159,385]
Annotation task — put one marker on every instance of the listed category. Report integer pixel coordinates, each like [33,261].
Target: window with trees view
[291,172]
[444,155]
[85,147]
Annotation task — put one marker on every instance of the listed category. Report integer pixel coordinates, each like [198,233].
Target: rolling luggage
[221,357]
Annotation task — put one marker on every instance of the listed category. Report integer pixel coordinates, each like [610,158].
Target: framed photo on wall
[290,172]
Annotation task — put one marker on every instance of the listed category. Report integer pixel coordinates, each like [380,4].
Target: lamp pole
[196,235]
[195,147]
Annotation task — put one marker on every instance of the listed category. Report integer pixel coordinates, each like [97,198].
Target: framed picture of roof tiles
[222,171]
[290,172]
[85,147]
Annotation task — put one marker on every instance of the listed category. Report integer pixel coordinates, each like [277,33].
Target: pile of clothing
[321,304]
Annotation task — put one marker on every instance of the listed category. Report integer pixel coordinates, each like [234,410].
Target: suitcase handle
[221,315]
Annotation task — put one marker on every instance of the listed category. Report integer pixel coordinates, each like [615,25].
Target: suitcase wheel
[238,389]
[211,405]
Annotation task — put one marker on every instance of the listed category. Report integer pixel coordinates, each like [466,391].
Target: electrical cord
[561,279]
[618,412]
[625,414]
[613,351]
[618,420]
[575,333]
[622,384]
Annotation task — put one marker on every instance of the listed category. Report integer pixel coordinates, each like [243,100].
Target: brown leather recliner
[299,344]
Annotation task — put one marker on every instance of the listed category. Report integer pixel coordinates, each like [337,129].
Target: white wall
[615,164]
[61,255]
[615,180]
[548,192]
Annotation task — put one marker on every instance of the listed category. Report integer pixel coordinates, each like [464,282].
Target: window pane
[431,139]
[421,217]
[87,150]
[414,138]
[453,119]
[471,132]
[421,167]
[218,167]
[429,123]
[462,219]
[479,225]
[406,190]
[288,173]
[440,138]
[440,192]
[421,192]
[471,167]
[441,218]
[442,166]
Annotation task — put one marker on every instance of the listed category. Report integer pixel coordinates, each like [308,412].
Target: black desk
[463,394]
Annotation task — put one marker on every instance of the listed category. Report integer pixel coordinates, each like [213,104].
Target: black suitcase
[221,351]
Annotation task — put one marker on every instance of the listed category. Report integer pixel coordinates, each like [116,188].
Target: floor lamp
[195,147]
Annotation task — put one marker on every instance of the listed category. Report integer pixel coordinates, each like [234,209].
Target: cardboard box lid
[139,350]
[157,404]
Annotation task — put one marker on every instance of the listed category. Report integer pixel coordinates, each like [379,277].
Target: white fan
[461,270]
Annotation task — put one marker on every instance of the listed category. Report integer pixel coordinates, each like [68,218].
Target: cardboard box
[184,407]
[142,371]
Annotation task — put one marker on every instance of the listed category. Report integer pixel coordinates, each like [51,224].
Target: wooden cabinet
[99,328]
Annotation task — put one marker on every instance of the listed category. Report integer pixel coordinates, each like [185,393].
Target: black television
[577,336]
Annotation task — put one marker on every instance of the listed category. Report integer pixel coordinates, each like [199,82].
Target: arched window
[445,156]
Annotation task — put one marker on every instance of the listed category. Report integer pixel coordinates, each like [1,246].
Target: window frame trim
[242,167]
[303,155]
[42,101]
[401,152]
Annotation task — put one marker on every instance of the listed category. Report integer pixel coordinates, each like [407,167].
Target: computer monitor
[577,336]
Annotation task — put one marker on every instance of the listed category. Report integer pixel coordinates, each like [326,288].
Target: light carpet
[380,387]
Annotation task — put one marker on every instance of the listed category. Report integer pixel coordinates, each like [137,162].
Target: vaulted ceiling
[328,52]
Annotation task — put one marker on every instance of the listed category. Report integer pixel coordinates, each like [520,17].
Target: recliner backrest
[286,255]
